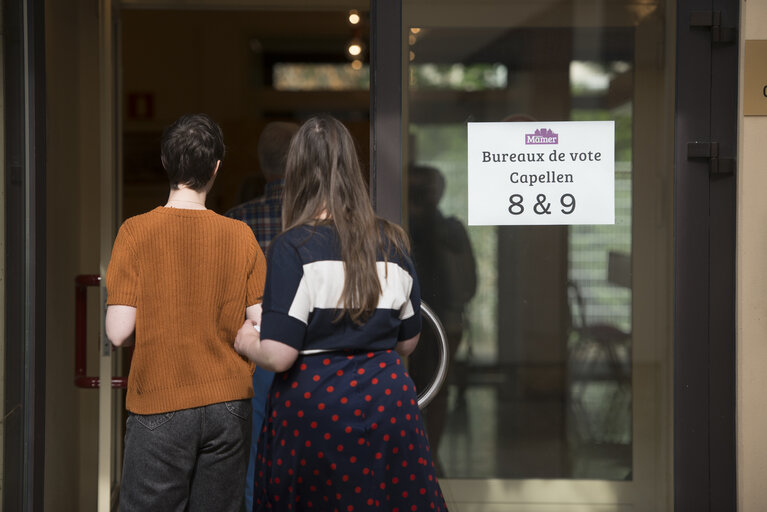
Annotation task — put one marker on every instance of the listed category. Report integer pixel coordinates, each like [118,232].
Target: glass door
[559,390]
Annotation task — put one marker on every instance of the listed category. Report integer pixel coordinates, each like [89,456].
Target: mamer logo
[542,136]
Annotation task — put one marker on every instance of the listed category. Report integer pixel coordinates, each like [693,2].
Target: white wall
[752,288]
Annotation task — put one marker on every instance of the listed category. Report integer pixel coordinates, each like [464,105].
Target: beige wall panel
[752,289]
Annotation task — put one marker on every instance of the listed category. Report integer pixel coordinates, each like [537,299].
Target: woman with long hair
[341,305]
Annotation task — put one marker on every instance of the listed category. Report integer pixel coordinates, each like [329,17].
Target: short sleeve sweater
[304,284]
[190,274]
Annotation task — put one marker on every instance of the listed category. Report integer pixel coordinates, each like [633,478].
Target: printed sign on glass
[541,173]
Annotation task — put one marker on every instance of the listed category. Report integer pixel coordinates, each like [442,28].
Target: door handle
[82,380]
[429,392]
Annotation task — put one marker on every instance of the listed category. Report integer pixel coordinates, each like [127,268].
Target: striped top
[304,283]
[190,274]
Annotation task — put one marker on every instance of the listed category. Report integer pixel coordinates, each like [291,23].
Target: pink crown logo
[542,136]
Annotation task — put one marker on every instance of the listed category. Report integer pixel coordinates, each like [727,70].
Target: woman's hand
[270,355]
[247,340]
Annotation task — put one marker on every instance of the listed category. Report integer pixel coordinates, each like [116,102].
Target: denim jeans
[189,460]
[262,380]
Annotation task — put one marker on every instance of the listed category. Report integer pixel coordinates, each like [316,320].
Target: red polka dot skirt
[344,434]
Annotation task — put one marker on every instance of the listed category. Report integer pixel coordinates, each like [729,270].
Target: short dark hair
[189,150]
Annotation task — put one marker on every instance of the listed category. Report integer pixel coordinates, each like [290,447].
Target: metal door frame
[25,254]
[386,108]
[705,208]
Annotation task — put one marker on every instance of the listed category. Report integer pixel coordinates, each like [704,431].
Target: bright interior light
[415,30]
[354,49]
[354,17]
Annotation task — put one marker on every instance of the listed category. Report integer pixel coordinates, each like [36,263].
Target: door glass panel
[552,328]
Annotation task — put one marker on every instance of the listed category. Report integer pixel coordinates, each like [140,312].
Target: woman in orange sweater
[179,283]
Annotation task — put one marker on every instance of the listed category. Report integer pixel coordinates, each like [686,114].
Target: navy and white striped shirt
[304,282]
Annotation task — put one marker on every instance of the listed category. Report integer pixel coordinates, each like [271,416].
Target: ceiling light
[354,49]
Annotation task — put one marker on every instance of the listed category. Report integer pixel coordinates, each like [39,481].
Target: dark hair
[273,144]
[323,173]
[189,150]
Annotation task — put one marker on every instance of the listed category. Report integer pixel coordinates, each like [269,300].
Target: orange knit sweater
[190,274]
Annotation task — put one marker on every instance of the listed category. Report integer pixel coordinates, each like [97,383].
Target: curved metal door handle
[428,394]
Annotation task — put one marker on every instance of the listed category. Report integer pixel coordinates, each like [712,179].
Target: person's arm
[406,347]
[270,355]
[410,313]
[122,290]
[282,325]
[120,325]
[253,313]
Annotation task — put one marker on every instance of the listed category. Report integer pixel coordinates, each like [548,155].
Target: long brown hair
[323,174]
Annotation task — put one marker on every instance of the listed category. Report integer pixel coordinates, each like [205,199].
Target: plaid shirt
[263,214]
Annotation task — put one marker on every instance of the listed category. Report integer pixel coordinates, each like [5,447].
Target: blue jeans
[188,460]
[262,381]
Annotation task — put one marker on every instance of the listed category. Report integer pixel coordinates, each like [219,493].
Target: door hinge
[710,151]
[713,20]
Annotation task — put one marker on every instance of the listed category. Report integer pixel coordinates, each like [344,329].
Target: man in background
[264,216]
[264,213]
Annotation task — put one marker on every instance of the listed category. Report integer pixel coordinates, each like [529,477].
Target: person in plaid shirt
[264,216]
[264,213]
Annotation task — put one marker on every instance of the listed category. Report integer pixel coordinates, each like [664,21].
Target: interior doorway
[244,68]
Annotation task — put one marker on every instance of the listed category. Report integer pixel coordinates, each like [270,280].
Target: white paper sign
[541,173]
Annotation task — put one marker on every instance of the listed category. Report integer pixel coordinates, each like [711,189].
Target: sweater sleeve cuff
[124,299]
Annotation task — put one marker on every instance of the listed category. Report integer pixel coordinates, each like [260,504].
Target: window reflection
[446,267]
[540,383]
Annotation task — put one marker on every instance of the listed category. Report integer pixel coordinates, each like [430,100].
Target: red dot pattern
[344,433]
